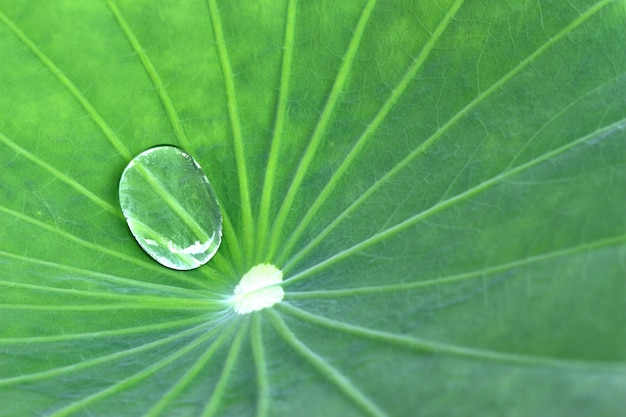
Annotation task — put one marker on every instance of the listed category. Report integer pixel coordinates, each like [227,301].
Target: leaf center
[259,288]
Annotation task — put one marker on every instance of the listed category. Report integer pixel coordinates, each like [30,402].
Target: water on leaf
[171,208]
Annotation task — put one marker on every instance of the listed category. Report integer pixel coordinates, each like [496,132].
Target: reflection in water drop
[170,208]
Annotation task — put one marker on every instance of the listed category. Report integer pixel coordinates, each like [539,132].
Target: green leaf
[442,184]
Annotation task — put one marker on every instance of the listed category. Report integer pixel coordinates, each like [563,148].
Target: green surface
[442,183]
[171,208]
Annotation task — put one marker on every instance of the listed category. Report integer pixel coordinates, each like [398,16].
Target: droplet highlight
[171,208]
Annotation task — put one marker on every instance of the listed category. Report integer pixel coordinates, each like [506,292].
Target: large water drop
[171,208]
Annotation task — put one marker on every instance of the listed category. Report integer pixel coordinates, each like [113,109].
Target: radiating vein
[189,376]
[164,96]
[99,248]
[221,263]
[229,237]
[163,304]
[172,202]
[345,386]
[226,264]
[162,92]
[480,273]
[60,176]
[262,380]
[443,205]
[418,345]
[126,282]
[443,129]
[135,298]
[325,118]
[233,112]
[135,378]
[85,364]
[69,85]
[220,388]
[382,114]
[460,173]
[68,337]
[279,127]
[579,99]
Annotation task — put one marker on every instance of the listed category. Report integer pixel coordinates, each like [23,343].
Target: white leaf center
[258,289]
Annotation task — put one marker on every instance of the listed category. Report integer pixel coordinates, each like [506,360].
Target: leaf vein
[377,289]
[98,248]
[331,374]
[439,207]
[439,133]
[135,378]
[324,120]
[371,128]
[233,111]
[432,347]
[62,371]
[69,85]
[279,126]
[61,176]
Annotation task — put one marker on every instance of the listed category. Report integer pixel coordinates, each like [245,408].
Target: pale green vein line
[428,346]
[76,93]
[189,376]
[135,378]
[325,118]
[441,206]
[220,388]
[382,114]
[439,133]
[69,337]
[101,249]
[172,202]
[152,73]
[279,127]
[460,174]
[61,176]
[228,230]
[226,263]
[160,88]
[258,353]
[233,111]
[222,263]
[157,82]
[85,364]
[379,289]
[165,98]
[136,298]
[218,261]
[127,282]
[163,304]
[579,99]
[344,385]
[229,237]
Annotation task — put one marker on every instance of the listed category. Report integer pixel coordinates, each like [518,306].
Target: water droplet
[258,289]
[171,208]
